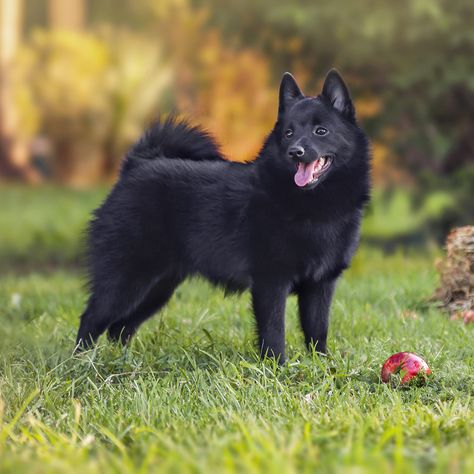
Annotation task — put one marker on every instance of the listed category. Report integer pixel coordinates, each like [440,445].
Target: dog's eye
[289,133]
[320,131]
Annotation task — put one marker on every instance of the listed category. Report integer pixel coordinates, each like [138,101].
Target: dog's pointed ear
[337,93]
[289,92]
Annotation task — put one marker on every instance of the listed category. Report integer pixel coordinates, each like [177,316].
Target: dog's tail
[173,138]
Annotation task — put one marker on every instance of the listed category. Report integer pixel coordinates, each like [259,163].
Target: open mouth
[310,173]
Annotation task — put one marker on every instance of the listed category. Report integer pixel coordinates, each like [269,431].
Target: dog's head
[316,136]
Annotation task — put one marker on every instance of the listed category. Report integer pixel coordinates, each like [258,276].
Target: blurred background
[80,79]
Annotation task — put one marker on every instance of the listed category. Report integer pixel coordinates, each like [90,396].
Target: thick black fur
[180,209]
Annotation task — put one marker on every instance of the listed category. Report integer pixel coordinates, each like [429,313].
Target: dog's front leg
[314,301]
[269,301]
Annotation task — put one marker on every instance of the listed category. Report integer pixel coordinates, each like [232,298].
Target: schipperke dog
[287,222]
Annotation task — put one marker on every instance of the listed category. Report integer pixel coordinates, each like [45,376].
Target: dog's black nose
[296,151]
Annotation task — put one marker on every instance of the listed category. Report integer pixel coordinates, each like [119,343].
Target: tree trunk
[14,155]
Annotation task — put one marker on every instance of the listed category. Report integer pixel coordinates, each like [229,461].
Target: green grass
[191,395]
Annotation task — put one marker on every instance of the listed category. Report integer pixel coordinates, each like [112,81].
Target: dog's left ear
[289,92]
[337,93]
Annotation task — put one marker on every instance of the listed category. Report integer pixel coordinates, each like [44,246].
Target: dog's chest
[307,248]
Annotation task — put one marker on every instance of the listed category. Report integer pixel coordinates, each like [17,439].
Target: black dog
[286,223]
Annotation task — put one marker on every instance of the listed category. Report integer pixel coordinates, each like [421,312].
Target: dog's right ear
[289,92]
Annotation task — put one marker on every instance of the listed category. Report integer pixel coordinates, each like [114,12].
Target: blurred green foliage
[396,214]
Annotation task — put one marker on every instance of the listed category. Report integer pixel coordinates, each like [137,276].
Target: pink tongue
[304,174]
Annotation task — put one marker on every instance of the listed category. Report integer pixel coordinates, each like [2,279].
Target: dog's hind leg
[123,329]
[110,301]
[89,328]
[94,322]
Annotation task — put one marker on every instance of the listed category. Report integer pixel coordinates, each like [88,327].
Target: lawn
[190,394]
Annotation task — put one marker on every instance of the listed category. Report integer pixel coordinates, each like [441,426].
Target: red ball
[408,365]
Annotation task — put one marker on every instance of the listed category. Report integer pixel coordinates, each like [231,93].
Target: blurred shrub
[399,216]
[64,72]
[135,83]
[235,100]
[459,186]
[90,95]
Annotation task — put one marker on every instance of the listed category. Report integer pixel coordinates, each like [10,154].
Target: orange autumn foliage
[228,90]
[231,95]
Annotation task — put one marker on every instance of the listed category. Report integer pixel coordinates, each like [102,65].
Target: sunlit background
[81,79]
